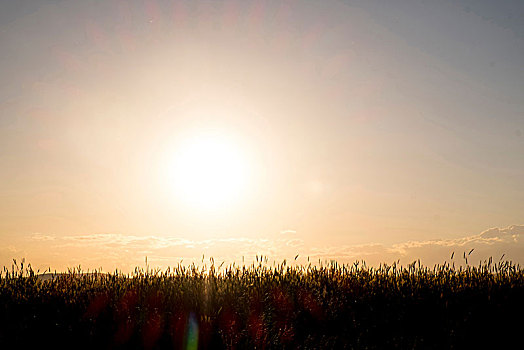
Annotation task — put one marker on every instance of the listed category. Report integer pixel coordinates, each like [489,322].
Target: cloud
[104,240]
[128,251]
[493,243]
[117,250]
[41,237]
[348,252]
[513,230]
[10,249]
[295,242]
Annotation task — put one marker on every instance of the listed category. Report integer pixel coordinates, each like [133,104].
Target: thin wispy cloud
[42,237]
[127,251]
[494,243]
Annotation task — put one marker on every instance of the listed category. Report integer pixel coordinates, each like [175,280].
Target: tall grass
[266,307]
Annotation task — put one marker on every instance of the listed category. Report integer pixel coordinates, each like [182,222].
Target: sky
[335,130]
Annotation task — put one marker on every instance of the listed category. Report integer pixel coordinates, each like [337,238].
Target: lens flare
[192,333]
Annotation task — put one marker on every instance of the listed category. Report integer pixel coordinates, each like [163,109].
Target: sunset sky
[347,130]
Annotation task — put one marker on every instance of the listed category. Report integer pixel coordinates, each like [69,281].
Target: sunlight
[208,171]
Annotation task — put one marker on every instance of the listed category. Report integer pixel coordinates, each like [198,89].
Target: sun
[208,171]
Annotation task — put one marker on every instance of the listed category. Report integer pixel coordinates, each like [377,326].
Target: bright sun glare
[208,172]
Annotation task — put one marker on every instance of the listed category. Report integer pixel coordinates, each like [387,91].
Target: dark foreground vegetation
[263,307]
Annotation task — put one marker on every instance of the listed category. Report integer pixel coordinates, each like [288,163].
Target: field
[264,306]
